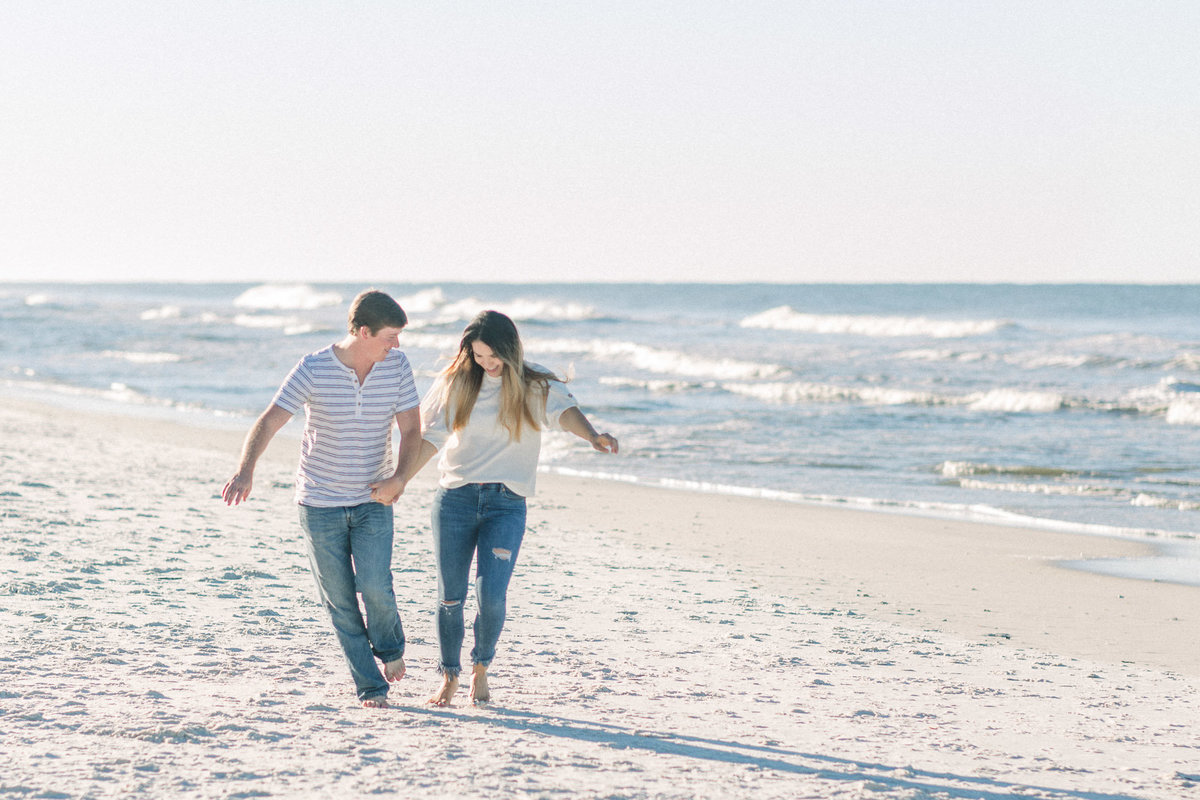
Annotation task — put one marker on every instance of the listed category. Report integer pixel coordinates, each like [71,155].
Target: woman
[485,415]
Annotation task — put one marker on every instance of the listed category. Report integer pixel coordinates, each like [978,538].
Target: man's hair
[376,310]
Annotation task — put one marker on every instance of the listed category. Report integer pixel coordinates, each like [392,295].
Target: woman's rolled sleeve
[558,400]
[433,418]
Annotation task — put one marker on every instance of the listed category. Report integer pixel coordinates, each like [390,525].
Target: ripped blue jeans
[485,522]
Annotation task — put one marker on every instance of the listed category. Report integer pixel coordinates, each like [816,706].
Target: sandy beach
[660,644]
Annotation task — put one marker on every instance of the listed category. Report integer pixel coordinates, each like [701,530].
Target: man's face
[383,341]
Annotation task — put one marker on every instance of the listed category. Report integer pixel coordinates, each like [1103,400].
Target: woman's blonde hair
[523,386]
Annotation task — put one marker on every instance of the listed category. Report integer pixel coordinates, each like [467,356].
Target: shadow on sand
[764,757]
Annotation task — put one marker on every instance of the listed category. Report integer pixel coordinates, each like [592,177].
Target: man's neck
[349,352]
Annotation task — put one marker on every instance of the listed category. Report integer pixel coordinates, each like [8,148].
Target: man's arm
[409,425]
[409,461]
[264,429]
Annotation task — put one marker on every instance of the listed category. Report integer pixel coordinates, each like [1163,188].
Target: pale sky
[577,141]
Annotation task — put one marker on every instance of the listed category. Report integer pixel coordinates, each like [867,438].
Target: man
[351,391]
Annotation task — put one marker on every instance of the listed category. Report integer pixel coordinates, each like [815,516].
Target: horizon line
[295,282]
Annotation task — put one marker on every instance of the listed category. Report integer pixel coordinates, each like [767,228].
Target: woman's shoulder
[436,388]
[536,373]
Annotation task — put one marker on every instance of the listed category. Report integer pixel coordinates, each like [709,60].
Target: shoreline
[976,581]
[227,423]
[1016,585]
[1158,541]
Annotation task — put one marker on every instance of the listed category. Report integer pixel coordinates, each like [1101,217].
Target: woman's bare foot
[443,695]
[376,702]
[479,686]
[394,670]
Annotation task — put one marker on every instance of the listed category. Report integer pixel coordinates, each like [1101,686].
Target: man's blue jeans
[350,550]
[483,518]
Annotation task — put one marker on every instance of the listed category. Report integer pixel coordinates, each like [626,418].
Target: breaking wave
[142,358]
[786,318]
[1172,401]
[958,469]
[1015,401]
[804,392]
[162,312]
[278,297]
[1183,412]
[433,309]
[650,359]
[290,325]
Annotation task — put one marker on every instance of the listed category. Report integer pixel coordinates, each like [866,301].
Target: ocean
[1050,406]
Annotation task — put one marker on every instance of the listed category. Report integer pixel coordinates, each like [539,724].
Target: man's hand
[387,491]
[267,425]
[237,489]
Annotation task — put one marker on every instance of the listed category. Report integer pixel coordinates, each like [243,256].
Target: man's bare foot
[376,702]
[479,686]
[394,670]
[443,695]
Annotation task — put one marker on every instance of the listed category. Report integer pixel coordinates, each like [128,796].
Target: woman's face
[486,358]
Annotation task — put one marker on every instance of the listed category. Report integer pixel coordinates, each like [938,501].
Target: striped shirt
[348,427]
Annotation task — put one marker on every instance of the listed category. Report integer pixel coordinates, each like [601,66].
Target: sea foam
[1016,401]
[438,311]
[142,358]
[805,392]
[955,469]
[663,386]
[422,302]
[655,359]
[1184,411]
[162,312]
[265,321]
[786,318]
[286,297]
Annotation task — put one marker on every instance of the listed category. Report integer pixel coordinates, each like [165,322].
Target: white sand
[660,645]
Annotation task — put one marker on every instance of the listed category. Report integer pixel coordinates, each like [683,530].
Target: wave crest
[291,326]
[162,312]
[275,297]
[786,318]
[142,358]
[958,469]
[1183,411]
[520,310]
[805,392]
[1014,400]
[423,302]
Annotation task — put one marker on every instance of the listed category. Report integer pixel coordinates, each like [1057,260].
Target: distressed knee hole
[451,603]
[502,554]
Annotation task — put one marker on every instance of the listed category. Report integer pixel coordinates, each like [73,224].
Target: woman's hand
[387,491]
[573,421]
[605,442]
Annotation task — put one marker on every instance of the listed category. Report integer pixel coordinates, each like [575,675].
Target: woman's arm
[427,451]
[573,421]
[388,491]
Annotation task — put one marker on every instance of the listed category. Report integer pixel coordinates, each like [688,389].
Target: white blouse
[482,452]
